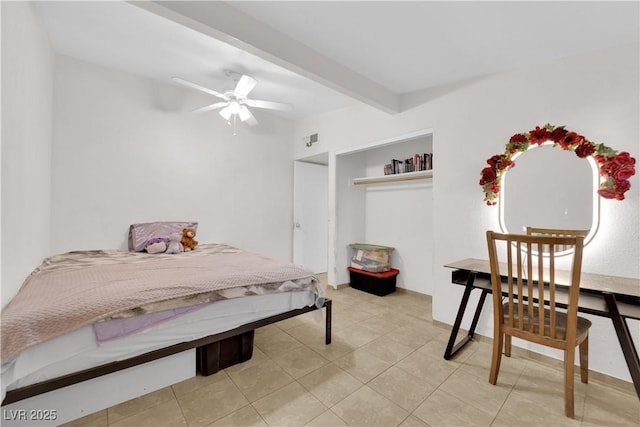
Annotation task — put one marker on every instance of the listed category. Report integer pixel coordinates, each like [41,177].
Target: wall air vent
[311,139]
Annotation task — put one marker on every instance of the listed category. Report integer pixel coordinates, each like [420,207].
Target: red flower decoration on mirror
[615,167]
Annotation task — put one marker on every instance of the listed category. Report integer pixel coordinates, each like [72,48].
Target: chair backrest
[536,231]
[529,280]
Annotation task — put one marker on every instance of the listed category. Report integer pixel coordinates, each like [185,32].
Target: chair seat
[561,321]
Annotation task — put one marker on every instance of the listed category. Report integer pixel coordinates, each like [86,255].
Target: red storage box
[380,284]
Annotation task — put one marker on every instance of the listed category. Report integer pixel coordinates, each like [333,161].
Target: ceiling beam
[225,23]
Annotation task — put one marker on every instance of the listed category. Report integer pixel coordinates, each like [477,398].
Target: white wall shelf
[408,176]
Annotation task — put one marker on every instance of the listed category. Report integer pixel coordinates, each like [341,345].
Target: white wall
[128,149]
[348,213]
[400,215]
[595,94]
[27,76]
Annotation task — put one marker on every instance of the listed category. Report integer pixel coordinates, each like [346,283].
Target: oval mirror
[550,188]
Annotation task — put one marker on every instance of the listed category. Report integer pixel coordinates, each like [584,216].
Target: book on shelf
[418,162]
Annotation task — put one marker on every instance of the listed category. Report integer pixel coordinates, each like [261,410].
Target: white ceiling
[323,56]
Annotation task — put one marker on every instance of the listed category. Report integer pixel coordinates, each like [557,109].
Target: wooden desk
[617,298]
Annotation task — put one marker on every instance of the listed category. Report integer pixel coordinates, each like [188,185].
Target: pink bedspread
[76,289]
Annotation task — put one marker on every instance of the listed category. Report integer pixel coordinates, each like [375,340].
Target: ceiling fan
[235,102]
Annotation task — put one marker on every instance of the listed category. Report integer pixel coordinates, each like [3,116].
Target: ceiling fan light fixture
[235,102]
[234,107]
[226,112]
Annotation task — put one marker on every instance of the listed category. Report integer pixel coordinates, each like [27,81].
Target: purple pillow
[140,234]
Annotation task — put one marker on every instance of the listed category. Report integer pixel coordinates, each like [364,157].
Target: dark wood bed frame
[213,353]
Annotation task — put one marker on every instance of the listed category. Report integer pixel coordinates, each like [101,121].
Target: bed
[86,314]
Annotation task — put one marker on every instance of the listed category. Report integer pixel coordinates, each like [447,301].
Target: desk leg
[626,342]
[327,326]
[452,347]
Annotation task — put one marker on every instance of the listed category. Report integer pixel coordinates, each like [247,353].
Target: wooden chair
[530,310]
[535,231]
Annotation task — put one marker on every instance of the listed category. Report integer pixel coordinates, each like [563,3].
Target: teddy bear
[188,241]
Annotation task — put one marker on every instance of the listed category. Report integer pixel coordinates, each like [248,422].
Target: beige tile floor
[384,368]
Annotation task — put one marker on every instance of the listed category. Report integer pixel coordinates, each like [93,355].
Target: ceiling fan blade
[246,116]
[245,85]
[268,105]
[210,107]
[200,88]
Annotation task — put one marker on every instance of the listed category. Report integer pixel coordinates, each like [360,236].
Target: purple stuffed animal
[156,245]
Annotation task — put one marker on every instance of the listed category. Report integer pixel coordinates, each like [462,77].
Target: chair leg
[507,345]
[498,338]
[569,356]
[584,360]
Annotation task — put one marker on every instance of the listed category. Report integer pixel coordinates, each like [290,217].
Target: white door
[310,216]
